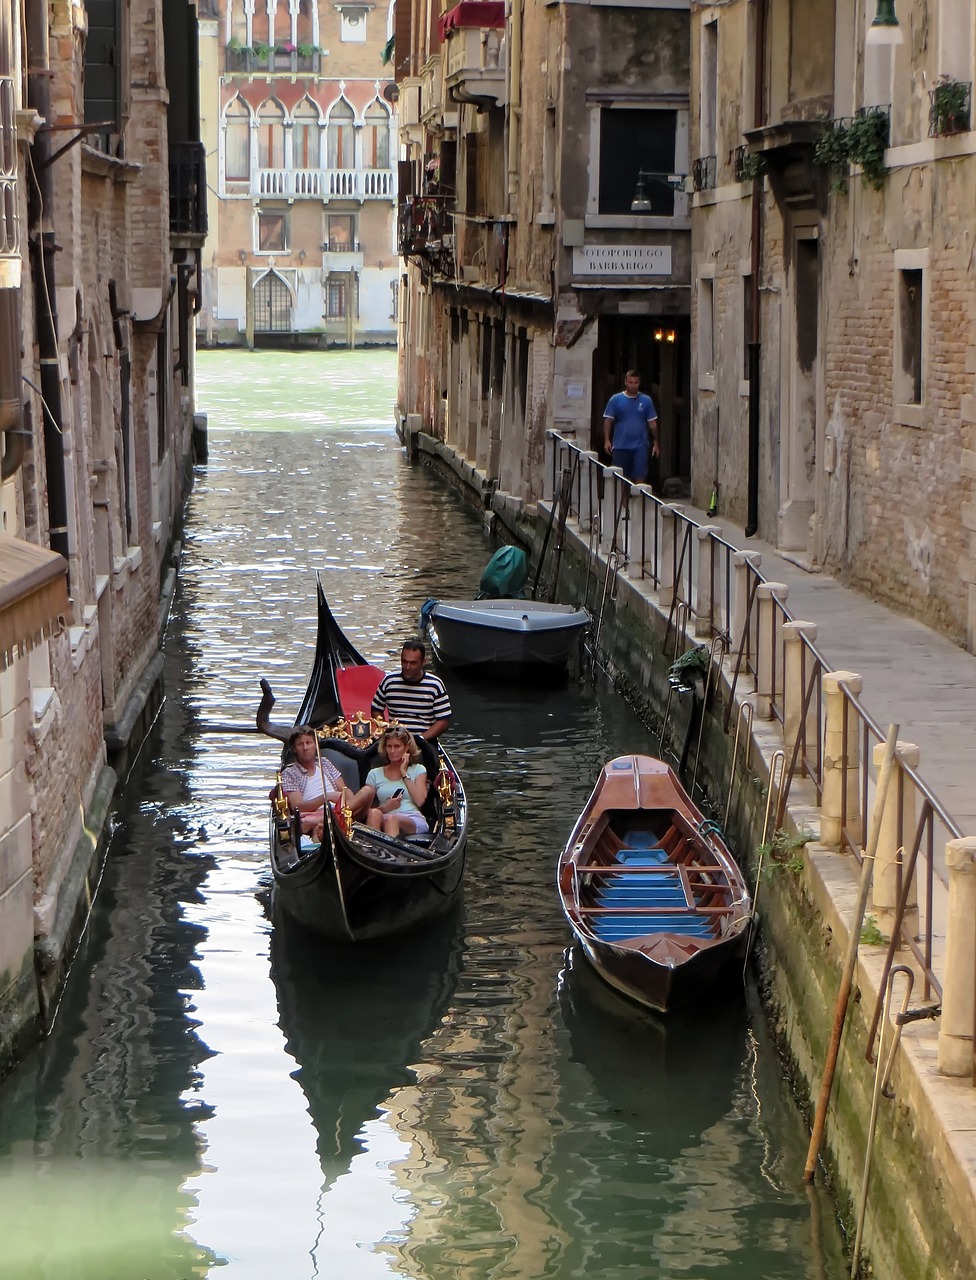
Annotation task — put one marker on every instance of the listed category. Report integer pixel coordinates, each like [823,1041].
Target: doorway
[658,348]
[798,464]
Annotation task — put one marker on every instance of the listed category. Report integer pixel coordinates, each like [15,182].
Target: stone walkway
[912,676]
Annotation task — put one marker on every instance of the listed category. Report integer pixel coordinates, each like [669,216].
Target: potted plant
[261,50]
[867,140]
[307,50]
[950,107]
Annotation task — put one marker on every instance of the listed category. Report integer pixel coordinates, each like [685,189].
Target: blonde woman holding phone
[398,786]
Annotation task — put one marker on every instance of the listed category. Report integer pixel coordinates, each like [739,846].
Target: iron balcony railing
[187,188]
[703,173]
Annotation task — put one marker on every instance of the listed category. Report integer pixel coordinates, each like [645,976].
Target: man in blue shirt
[630,429]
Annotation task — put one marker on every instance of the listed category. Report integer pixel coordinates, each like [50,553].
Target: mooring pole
[850,960]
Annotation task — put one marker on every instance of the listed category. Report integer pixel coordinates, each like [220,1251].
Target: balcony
[431,91]
[266,61]
[473,33]
[425,231]
[188,189]
[325,184]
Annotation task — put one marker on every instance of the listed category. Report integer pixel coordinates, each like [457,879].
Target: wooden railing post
[884,901]
[840,767]
[769,672]
[959,983]
[707,568]
[796,675]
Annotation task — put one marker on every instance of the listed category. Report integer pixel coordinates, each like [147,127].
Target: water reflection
[220,1098]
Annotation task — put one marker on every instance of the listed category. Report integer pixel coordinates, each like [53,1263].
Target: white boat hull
[505,633]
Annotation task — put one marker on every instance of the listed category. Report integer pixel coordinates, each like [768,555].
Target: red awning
[472,13]
[33,596]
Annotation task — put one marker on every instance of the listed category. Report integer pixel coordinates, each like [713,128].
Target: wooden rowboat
[653,895]
[361,884]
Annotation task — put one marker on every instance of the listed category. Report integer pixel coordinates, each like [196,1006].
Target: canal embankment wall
[920,1216]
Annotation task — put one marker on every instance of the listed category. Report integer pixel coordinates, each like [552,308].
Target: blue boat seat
[642,893]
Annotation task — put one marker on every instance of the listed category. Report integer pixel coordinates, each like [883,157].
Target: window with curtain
[305,136]
[376,142]
[271,136]
[237,142]
[340,136]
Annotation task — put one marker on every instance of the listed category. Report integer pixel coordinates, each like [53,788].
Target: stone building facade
[836,242]
[104,211]
[544,225]
[299,115]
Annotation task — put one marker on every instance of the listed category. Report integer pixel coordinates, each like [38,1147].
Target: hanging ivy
[860,140]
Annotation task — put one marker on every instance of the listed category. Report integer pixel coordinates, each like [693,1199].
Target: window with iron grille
[341,233]
[335,300]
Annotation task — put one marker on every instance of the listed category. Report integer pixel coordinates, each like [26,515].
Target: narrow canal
[219,1098]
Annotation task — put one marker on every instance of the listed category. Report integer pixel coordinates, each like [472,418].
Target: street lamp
[884,28]
[641,202]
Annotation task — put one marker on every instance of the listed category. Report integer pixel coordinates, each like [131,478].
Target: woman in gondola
[398,786]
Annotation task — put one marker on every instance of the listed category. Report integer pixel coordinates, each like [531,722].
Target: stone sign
[622,260]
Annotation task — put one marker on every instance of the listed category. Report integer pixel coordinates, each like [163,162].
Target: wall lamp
[669,336]
[884,29]
[641,202]
[242,256]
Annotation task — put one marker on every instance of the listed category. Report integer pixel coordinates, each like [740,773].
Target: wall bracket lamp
[641,202]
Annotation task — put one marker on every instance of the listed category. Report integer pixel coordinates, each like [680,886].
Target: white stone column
[707,568]
[796,674]
[612,479]
[549,469]
[589,469]
[643,508]
[840,769]
[744,564]
[769,673]
[884,900]
[670,524]
[956,1024]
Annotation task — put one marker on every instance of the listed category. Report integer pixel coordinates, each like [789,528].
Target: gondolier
[414,696]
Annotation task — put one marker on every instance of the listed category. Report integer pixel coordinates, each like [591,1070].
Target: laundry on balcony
[472,13]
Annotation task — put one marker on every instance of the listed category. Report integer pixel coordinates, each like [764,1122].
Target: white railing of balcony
[378,184]
[471,49]
[342,182]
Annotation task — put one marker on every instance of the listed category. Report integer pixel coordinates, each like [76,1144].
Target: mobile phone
[398,793]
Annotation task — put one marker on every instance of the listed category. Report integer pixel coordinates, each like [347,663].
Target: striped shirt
[416,706]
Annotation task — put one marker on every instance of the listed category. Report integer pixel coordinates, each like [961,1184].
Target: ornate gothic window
[340,136]
[237,142]
[271,136]
[305,137]
[376,138]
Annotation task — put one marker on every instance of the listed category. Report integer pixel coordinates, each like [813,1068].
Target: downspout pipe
[40,214]
[755,334]
[11,316]
[514,99]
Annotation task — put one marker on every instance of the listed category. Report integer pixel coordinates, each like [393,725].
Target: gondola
[652,893]
[360,884]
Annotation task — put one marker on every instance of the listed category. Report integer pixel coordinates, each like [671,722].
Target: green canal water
[220,1097]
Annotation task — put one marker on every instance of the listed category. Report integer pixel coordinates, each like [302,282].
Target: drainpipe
[11,321]
[514,99]
[40,206]
[755,335]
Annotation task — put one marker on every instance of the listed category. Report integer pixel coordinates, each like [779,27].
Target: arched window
[307,27]
[262,30]
[340,135]
[376,138]
[305,137]
[271,136]
[237,142]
